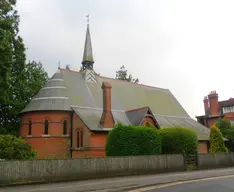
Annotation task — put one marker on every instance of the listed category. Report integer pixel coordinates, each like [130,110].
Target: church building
[72,114]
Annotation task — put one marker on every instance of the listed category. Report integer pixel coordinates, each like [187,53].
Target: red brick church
[72,114]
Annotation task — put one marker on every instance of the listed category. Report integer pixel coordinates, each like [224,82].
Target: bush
[12,147]
[132,140]
[216,141]
[223,124]
[178,140]
[229,134]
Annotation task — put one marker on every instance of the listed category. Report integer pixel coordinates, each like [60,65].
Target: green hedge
[131,140]
[178,140]
[12,147]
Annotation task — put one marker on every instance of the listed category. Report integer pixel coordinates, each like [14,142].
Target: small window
[64,127]
[79,138]
[30,127]
[46,127]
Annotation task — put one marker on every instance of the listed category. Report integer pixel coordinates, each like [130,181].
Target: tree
[19,81]
[178,140]
[123,75]
[12,147]
[9,20]
[24,84]
[227,131]
[223,125]
[216,141]
[129,140]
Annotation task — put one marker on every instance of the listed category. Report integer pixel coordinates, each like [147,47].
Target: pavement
[162,182]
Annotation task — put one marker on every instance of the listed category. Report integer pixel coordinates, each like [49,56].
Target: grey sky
[186,46]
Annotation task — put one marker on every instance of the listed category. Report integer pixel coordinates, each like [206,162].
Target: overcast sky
[186,46]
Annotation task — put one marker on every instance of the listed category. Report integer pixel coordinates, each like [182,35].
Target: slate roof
[88,53]
[68,91]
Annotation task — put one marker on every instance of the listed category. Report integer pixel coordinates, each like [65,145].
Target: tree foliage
[122,74]
[24,84]
[223,125]
[9,20]
[177,140]
[19,81]
[216,141]
[12,147]
[227,131]
[131,140]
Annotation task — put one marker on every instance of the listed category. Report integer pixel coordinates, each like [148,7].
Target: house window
[30,127]
[79,138]
[228,109]
[64,127]
[46,127]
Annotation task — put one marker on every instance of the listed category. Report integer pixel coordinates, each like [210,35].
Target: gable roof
[68,91]
[136,116]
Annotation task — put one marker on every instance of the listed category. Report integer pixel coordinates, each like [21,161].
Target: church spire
[88,60]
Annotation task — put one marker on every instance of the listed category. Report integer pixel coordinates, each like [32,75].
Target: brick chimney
[214,104]
[107,119]
[206,105]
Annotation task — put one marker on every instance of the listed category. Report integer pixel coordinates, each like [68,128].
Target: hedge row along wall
[134,140]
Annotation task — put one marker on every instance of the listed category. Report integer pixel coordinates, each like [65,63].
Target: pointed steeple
[88,60]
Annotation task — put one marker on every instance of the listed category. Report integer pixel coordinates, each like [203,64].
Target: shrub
[178,140]
[132,140]
[216,141]
[12,147]
[223,124]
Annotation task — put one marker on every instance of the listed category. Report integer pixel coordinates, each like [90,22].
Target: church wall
[202,147]
[95,148]
[81,150]
[149,120]
[51,145]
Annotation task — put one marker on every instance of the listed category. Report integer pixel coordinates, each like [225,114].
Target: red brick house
[73,113]
[215,109]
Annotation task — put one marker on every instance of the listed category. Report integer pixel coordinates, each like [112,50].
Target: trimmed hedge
[132,140]
[216,141]
[178,140]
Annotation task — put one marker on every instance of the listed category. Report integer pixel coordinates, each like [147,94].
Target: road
[119,184]
[224,184]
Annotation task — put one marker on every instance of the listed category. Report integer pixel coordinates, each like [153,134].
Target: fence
[219,160]
[61,170]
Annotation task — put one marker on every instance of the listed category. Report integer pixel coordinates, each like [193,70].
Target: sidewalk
[119,183]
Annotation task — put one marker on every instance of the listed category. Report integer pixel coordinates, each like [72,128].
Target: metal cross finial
[87,16]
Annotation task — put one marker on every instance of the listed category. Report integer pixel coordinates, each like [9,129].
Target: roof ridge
[127,82]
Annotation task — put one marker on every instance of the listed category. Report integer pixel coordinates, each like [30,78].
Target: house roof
[68,91]
[226,103]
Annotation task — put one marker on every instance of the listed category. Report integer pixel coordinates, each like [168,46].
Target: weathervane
[87,16]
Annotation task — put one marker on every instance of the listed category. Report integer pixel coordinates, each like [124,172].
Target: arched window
[30,127]
[64,127]
[46,127]
[79,138]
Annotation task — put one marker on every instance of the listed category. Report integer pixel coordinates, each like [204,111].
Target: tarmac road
[129,183]
[221,184]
